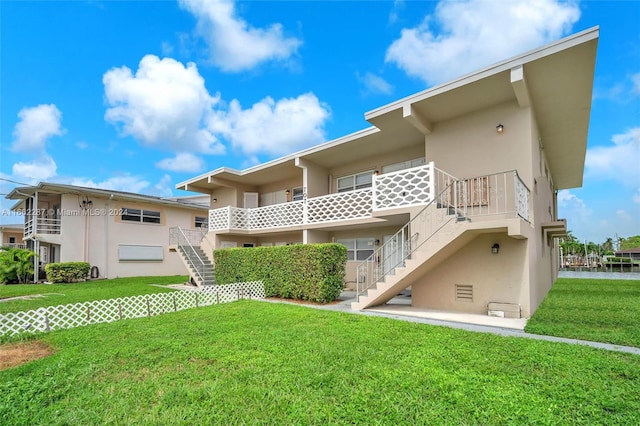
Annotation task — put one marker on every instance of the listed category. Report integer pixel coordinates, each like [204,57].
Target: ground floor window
[358,248]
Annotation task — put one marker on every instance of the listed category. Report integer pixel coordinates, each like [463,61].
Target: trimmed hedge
[67,272]
[313,272]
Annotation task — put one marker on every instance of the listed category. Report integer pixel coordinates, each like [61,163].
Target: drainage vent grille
[464,293]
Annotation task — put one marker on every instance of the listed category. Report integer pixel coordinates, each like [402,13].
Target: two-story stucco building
[120,234]
[451,191]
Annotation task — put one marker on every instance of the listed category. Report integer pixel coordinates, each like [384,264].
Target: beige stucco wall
[375,162]
[315,178]
[95,237]
[501,277]
[469,146]
[8,233]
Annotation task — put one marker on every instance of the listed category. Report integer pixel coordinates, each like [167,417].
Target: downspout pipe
[106,238]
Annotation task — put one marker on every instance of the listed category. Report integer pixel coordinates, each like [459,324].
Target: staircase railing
[496,194]
[178,236]
[394,252]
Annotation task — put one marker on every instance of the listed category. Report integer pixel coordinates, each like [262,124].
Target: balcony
[488,195]
[40,225]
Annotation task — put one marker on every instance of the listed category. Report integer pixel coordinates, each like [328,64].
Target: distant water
[603,275]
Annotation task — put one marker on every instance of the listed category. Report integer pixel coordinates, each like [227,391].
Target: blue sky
[138,96]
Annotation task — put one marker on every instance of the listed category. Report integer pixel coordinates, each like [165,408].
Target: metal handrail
[485,195]
[180,242]
[400,246]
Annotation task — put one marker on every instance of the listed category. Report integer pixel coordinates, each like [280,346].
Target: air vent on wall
[464,293]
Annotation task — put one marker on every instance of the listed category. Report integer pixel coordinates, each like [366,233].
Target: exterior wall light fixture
[495,248]
[215,200]
[287,192]
[376,173]
[500,128]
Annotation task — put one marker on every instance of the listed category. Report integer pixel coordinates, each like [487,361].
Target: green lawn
[591,309]
[61,294]
[252,362]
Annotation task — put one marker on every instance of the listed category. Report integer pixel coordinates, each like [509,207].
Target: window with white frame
[404,165]
[358,248]
[271,198]
[297,194]
[356,181]
[139,215]
[201,222]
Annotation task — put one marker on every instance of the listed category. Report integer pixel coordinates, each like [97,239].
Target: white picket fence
[109,310]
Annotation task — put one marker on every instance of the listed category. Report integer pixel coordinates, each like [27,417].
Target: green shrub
[16,265]
[313,272]
[67,272]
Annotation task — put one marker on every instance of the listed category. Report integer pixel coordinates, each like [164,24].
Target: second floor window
[138,215]
[357,181]
[201,222]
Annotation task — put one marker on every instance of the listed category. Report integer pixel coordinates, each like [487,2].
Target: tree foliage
[16,265]
[630,243]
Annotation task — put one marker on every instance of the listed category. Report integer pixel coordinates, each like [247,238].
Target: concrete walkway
[400,308]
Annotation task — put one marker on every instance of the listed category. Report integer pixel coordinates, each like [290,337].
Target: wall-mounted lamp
[377,242]
[376,173]
[495,248]
[287,192]
[215,200]
[500,128]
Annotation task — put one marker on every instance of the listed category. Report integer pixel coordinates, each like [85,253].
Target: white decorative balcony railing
[342,206]
[40,225]
[493,194]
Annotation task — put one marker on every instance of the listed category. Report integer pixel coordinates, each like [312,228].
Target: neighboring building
[11,236]
[452,192]
[633,253]
[121,234]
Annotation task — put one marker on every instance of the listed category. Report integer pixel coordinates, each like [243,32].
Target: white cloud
[36,125]
[618,162]
[182,162]
[164,104]
[274,127]
[374,84]
[466,35]
[40,169]
[164,187]
[127,183]
[234,44]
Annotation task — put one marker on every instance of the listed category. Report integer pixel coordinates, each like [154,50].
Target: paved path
[406,315]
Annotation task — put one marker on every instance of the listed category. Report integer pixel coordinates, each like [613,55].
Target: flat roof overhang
[555,80]
[344,150]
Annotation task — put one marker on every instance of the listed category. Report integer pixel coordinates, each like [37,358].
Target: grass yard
[591,309]
[61,294]
[252,362]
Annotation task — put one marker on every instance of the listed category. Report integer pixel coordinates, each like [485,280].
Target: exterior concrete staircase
[187,242]
[443,227]
[200,267]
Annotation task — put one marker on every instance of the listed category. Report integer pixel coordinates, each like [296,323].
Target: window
[136,215]
[404,165]
[353,182]
[297,194]
[271,198]
[358,249]
[201,222]
[12,240]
